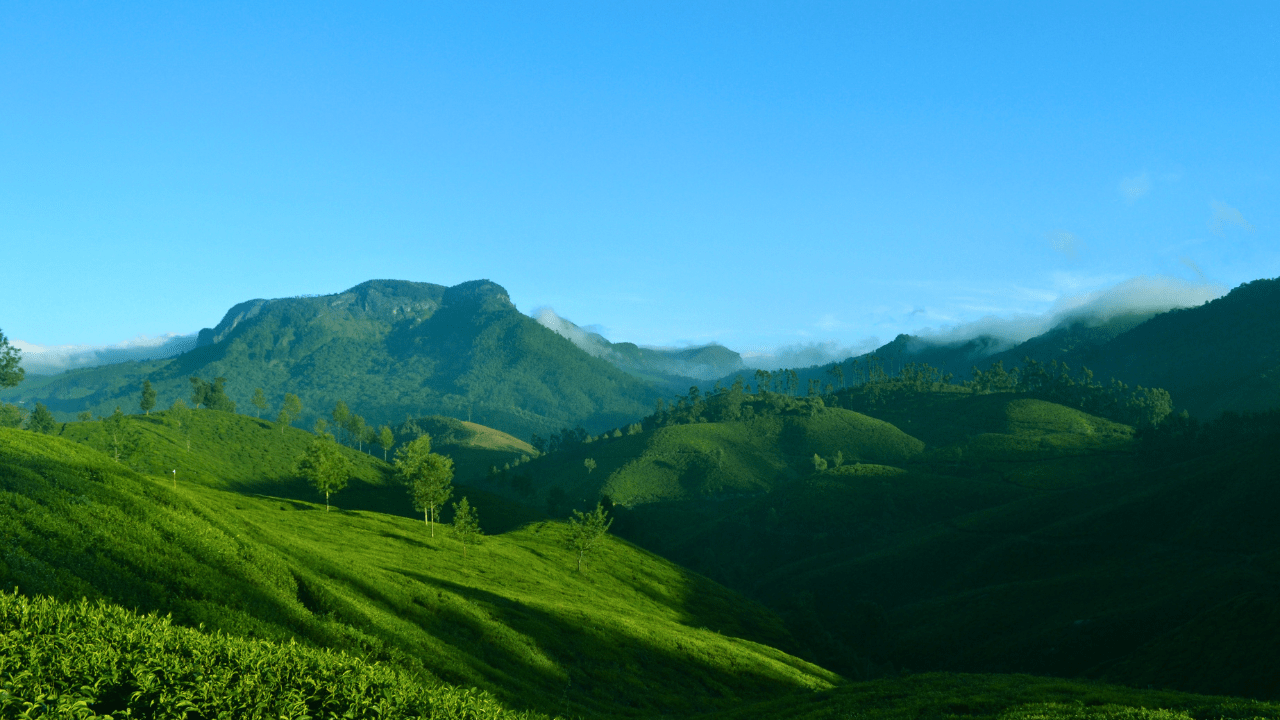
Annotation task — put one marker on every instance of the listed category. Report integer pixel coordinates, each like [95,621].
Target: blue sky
[756,174]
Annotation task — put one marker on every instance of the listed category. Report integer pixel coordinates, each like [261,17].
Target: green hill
[390,350]
[671,461]
[631,636]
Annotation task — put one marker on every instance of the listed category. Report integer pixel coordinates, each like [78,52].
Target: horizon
[771,180]
[1138,295]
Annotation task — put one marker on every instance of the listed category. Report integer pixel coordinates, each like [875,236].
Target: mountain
[1222,356]
[390,350]
[672,370]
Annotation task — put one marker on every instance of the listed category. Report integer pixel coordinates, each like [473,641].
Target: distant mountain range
[1221,356]
[394,349]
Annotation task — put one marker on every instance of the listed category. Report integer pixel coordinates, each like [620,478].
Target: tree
[587,529]
[341,414]
[321,427]
[589,464]
[386,439]
[148,400]
[41,420]
[819,464]
[10,372]
[180,414]
[466,525]
[259,402]
[293,406]
[123,439]
[283,419]
[428,476]
[324,465]
[11,416]
[212,395]
[84,416]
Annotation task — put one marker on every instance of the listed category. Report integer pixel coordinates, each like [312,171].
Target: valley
[893,538]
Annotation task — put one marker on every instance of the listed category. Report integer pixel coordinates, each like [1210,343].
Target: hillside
[631,636]
[1017,535]
[390,350]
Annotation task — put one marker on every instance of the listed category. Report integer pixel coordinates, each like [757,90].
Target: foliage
[11,373]
[11,416]
[212,395]
[402,348]
[586,530]
[123,439]
[259,401]
[41,420]
[324,467]
[292,408]
[642,637]
[429,477]
[148,400]
[466,525]
[125,664]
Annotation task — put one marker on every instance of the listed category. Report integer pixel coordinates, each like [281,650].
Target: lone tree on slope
[466,525]
[587,529]
[325,466]
[148,400]
[428,475]
[259,402]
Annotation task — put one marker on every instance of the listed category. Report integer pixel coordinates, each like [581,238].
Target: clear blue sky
[747,173]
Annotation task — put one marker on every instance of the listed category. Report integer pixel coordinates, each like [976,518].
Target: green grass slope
[634,635]
[711,460]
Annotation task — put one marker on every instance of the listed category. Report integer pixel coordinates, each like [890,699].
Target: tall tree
[122,437]
[341,414]
[199,392]
[42,421]
[11,373]
[429,477]
[586,530]
[466,525]
[180,414]
[324,465]
[293,407]
[386,439]
[259,402]
[148,400]
[589,464]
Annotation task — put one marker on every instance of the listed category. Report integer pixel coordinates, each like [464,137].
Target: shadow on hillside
[594,670]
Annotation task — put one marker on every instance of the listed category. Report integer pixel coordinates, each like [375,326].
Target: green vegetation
[389,349]
[636,637]
[586,530]
[144,666]
[11,373]
[325,467]
[428,476]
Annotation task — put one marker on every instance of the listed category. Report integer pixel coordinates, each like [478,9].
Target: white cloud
[1224,215]
[1135,295]
[50,359]
[806,354]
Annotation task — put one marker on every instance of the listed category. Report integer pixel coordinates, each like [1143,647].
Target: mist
[53,359]
[1143,294]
